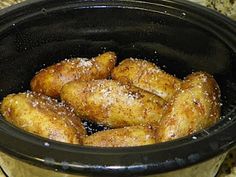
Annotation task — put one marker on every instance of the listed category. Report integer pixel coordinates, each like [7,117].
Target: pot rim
[143,160]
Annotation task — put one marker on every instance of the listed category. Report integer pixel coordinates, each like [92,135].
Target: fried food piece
[122,137]
[113,104]
[196,106]
[49,81]
[147,76]
[43,116]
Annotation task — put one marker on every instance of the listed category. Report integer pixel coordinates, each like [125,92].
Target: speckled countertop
[226,7]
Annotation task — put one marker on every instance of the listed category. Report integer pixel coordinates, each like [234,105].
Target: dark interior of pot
[179,40]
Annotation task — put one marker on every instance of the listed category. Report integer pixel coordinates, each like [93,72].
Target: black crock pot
[178,36]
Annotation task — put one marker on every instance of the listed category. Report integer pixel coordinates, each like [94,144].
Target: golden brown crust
[122,137]
[113,104]
[147,76]
[49,81]
[43,116]
[194,107]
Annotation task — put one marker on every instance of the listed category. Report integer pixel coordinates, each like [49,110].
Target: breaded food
[147,76]
[49,81]
[122,137]
[196,106]
[43,116]
[113,104]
